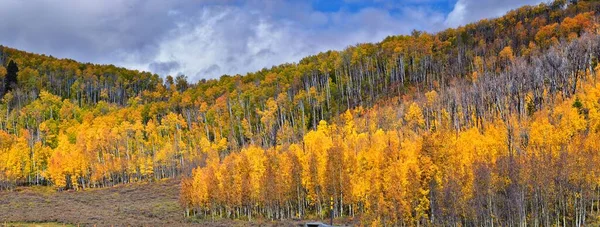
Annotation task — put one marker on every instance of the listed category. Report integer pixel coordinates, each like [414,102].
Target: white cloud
[227,40]
[467,11]
[239,39]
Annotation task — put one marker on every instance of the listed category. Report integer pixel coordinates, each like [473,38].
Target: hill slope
[400,107]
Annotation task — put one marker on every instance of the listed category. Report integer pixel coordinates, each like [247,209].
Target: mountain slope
[73,125]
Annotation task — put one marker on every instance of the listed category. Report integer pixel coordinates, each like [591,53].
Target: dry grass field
[143,204]
[134,204]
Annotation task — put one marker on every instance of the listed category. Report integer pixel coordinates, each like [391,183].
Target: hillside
[466,126]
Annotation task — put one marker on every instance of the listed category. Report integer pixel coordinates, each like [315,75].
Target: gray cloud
[84,30]
[208,71]
[225,39]
[208,38]
[164,67]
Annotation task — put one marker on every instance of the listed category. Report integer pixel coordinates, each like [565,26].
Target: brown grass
[33,224]
[139,204]
[143,204]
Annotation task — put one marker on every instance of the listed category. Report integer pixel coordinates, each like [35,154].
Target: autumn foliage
[492,123]
[536,169]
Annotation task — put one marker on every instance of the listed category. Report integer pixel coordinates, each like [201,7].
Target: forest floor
[137,204]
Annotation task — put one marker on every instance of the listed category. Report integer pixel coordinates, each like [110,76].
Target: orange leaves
[507,54]
[204,187]
[569,28]
[547,35]
[573,27]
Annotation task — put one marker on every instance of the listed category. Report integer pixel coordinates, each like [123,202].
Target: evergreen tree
[10,81]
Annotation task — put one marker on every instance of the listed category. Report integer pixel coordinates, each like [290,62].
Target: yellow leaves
[68,110]
[203,178]
[203,107]
[506,54]
[221,144]
[5,143]
[349,128]
[318,141]
[379,141]
[57,165]
[323,128]
[2,72]
[410,151]
[29,77]
[414,116]
[247,129]
[479,66]
[390,171]
[173,122]
[432,97]
[496,147]
[16,160]
[212,150]
[5,140]
[49,99]
[589,99]
[66,163]
[569,118]
[256,159]
[542,133]
[551,131]
[268,115]
[317,144]
[146,166]
[286,173]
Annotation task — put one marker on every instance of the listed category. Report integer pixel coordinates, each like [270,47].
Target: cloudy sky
[209,38]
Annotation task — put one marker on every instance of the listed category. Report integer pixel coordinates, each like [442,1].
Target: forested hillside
[493,123]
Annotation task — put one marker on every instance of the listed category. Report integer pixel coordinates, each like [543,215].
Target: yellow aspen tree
[414,116]
[256,159]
